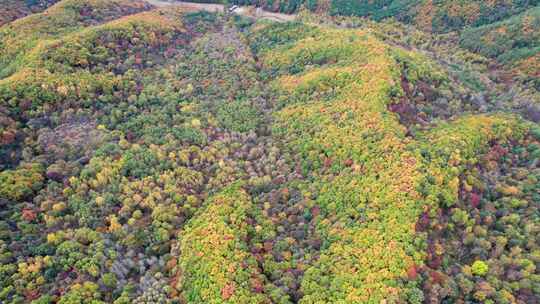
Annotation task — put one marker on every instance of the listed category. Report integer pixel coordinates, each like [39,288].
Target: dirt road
[256,13]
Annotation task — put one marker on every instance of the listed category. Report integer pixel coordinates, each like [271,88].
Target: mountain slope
[429,15]
[512,42]
[165,156]
[14,9]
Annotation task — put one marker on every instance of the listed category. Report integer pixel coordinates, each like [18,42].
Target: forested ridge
[166,155]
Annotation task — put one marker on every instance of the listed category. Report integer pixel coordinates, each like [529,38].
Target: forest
[367,152]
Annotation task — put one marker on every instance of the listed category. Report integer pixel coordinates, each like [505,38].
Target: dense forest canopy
[368,152]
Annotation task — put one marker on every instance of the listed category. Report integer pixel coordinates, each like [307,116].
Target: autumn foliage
[161,156]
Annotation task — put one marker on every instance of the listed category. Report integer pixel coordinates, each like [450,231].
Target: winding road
[252,12]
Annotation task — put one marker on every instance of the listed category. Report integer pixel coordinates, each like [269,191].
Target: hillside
[503,31]
[427,14]
[514,42]
[15,9]
[169,155]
